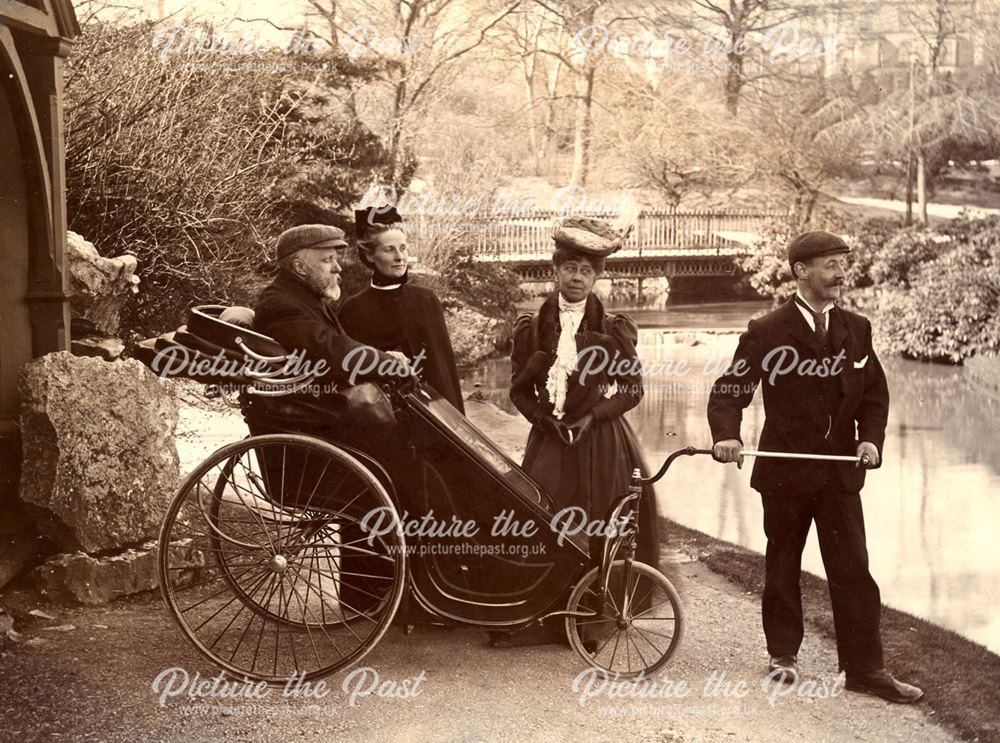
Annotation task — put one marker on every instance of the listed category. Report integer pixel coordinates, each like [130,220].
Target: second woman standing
[581,450]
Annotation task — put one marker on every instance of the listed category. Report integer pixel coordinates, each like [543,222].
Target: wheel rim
[264,563]
[641,626]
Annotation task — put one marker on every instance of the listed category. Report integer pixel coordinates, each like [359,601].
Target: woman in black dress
[581,449]
[392,314]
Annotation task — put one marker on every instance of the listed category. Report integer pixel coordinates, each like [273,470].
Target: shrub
[487,287]
[867,238]
[474,336]
[951,308]
[766,267]
[769,273]
[933,292]
[902,257]
[195,171]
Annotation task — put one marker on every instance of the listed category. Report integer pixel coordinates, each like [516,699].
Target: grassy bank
[960,678]
[984,372]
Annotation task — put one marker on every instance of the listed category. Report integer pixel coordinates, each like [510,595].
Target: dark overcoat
[300,320]
[422,328]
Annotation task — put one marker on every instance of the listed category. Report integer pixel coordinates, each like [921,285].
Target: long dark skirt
[592,474]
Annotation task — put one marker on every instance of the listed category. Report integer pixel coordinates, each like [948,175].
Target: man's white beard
[329,291]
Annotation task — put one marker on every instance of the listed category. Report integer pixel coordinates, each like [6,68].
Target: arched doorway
[34,304]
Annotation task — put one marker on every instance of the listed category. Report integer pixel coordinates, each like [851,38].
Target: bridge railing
[658,232]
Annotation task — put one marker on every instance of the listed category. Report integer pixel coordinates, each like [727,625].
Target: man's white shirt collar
[808,316]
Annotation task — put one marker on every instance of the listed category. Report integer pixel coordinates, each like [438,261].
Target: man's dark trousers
[854,594]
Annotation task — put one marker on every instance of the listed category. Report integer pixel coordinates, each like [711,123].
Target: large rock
[100,286]
[100,464]
[109,349]
[98,580]
[20,545]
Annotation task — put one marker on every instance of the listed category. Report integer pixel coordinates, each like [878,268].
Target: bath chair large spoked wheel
[265,564]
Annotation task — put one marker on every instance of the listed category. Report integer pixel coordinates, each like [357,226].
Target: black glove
[580,427]
[554,427]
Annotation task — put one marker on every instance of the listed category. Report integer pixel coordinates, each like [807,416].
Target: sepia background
[194,132]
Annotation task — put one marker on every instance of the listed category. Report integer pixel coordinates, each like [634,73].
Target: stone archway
[15,336]
[34,304]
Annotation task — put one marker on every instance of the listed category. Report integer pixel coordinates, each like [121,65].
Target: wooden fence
[528,236]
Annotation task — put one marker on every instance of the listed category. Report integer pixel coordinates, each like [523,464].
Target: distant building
[881,36]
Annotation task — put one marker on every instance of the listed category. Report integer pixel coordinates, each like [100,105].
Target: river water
[931,510]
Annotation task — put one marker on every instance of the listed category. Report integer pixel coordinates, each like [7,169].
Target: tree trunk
[331,20]
[922,187]
[545,141]
[734,82]
[805,204]
[909,191]
[809,205]
[583,126]
[529,89]
[548,128]
[396,134]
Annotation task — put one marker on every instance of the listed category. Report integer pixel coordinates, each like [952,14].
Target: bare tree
[673,142]
[524,35]
[326,11]
[418,45]
[581,51]
[935,24]
[987,21]
[736,29]
[802,143]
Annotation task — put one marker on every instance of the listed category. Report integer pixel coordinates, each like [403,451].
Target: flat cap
[811,244]
[309,236]
[586,235]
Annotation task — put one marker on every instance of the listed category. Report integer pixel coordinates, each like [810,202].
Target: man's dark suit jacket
[292,314]
[804,413]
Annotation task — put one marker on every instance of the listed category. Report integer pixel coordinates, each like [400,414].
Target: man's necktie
[819,321]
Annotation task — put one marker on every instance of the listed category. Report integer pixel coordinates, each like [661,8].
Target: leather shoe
[881,684]
[784,667]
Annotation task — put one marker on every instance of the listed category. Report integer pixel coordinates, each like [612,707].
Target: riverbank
[960,678]
[984,373]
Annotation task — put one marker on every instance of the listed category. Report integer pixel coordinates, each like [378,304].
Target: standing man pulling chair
[824,393]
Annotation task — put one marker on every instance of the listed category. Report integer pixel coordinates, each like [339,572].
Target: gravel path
[943,211]
[95,682]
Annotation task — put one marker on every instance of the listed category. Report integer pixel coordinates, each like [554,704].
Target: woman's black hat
[364,218]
